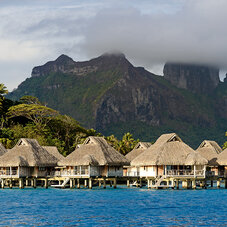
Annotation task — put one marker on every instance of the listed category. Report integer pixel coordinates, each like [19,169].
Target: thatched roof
[169,149]
[194,158]
[222,158]
[138,149]
[94,151]
[209,150]
[27,152]
[54,151]
[2,150]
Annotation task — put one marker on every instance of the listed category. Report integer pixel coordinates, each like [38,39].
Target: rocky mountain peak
[195,78]
[62,59]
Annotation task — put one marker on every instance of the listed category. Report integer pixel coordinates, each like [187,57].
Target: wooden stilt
[193,184]
[173,184]
[3,183]
[141,183]
[185,184]
[177,184]
[148,183]
[218,183]
[71,183]
[46,183]
[10,184]
[104,183]
[115,182]
[189,184]
[211,183]
[26,182]
[21,183]
[85,183]
[90,183]
[78,183]
[100,183]
[225,183]
[128,183]
[34,182]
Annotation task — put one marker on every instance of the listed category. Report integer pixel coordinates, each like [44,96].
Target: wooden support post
[128,183]
[3,183]
[71,183]
[141,183]
[218,183]
[100,183]
[225,183]
[115,182]
[90,183]
[104,183]
[34,182]
[46,183]
[26,182]
[78,183]
[211,183]
[203,184]
[193,184]
[173,184]
[189,184]
[85,183]
[10,184]
[21,183]
[185,184]
[110,183]
[177,184]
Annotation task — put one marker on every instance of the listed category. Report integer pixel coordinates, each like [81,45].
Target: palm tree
[3,90]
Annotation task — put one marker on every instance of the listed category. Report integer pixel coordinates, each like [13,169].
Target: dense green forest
[29,118]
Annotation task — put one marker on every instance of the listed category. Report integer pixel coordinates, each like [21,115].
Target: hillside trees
[29,118]
[225,144]
[38,114]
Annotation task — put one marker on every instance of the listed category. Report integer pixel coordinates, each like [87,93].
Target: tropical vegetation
[29,118]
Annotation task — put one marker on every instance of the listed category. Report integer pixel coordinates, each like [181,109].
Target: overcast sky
[148,32]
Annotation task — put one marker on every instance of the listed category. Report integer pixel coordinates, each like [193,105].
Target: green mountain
[111,95]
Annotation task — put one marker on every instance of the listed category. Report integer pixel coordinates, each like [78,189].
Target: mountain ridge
[110,94]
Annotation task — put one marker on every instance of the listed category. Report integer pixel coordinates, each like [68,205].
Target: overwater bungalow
[170,158]
[27,159]
[210,151]
[94,158]
[2,150]
[138,149]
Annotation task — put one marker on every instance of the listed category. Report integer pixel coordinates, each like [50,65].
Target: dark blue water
[113,207]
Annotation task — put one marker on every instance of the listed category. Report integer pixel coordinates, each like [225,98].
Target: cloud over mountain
[148,32]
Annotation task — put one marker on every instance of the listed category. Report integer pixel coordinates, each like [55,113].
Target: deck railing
[185,173]
[133,174]
[67,173]
[9,173]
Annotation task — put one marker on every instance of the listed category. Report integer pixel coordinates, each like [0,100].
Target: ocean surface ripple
[113,207]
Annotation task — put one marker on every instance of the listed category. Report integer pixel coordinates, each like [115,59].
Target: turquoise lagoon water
[113,207]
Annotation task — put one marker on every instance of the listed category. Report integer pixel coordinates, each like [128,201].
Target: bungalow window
[42,168]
